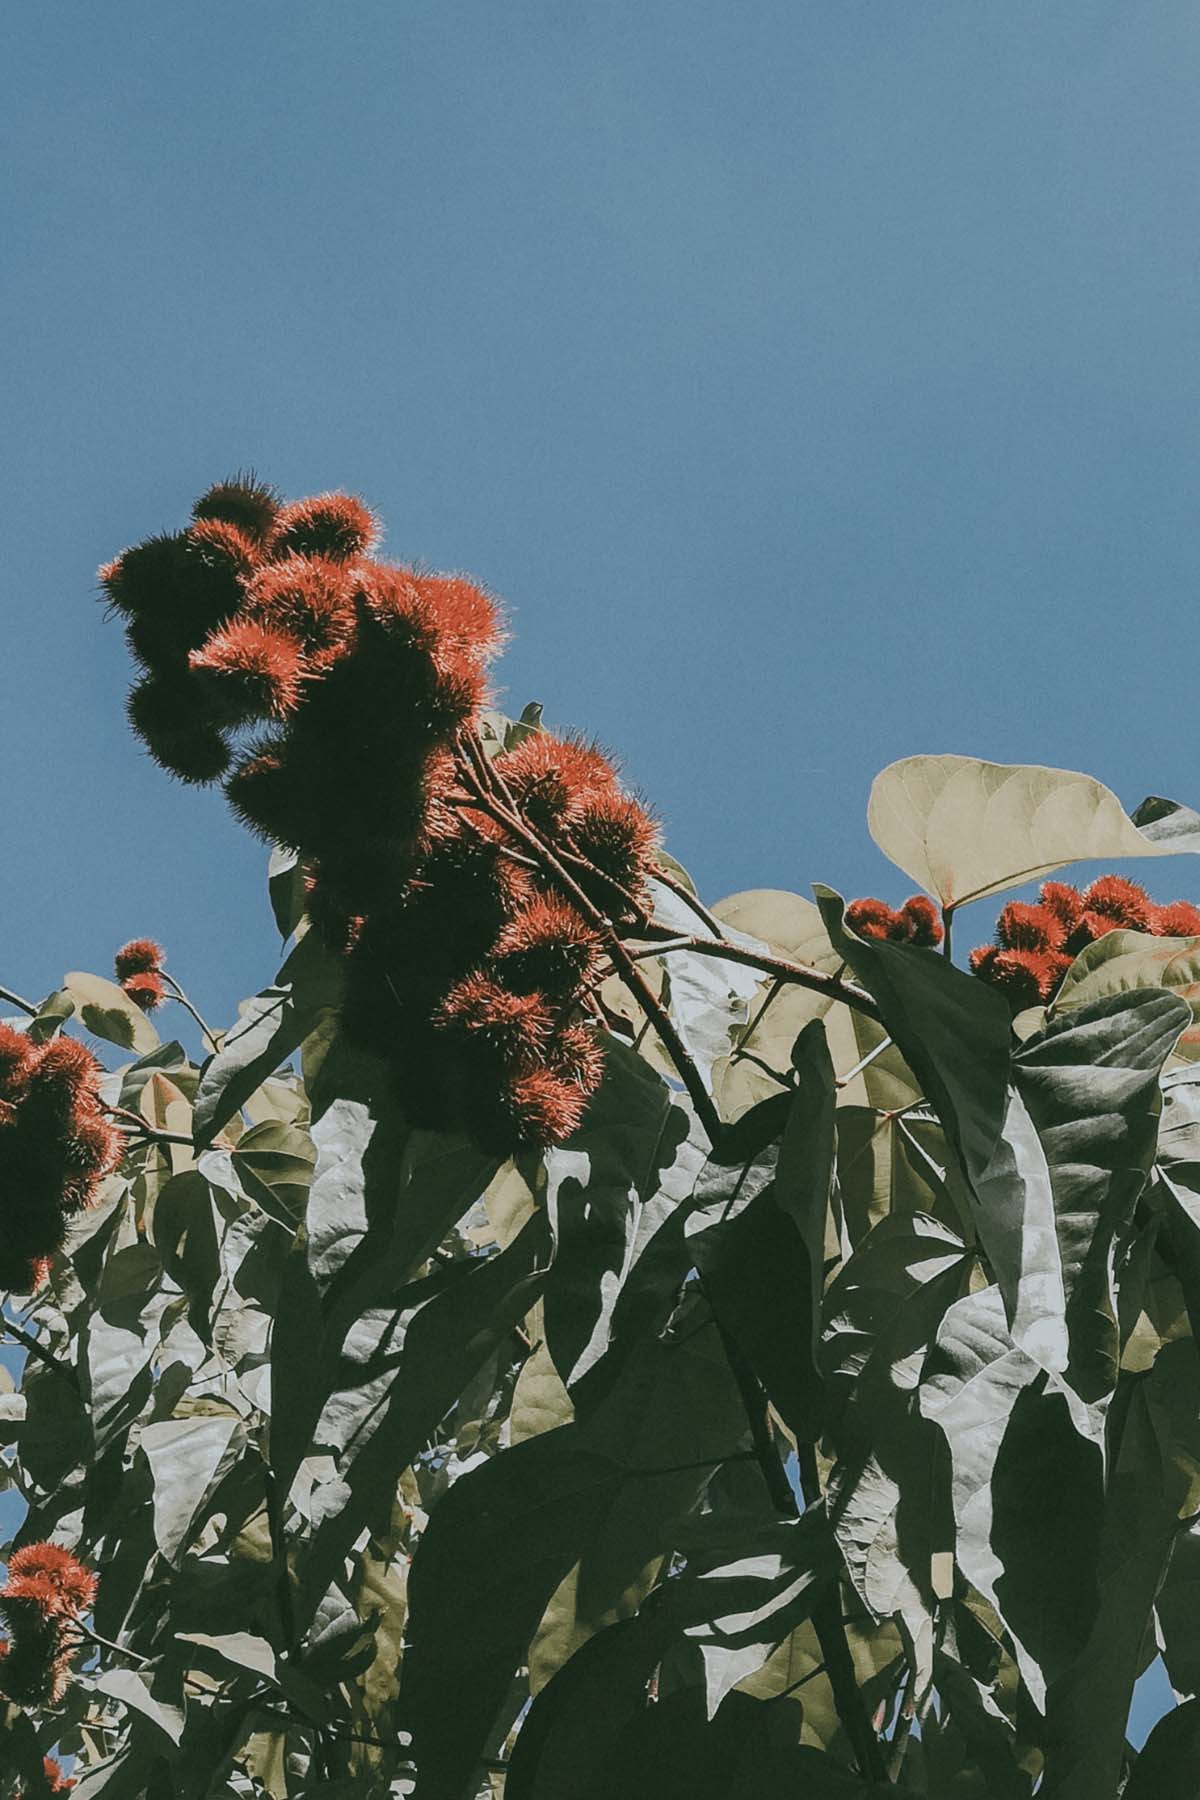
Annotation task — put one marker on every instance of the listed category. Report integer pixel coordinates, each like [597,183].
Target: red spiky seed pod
[170,715]
[1179,919]
[1064,902]
[310,598]
[1022,927]
[1123,902]
[70,1585]
[577,1054]
[1025,977]
[17,1059]
[147,990]
[1089,927]
[543,1108]
[266,796]
[875,919]
[619,838]
[243,501]
[553,778]
[140,956]
[547,946]
[516,1027]
[467,618]
[923,925]
[252,671]
[333,525]
[56,1781]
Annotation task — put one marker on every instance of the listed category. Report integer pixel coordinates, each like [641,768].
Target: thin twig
[789,973]
[689,899]
[136,1122]
[177,993]
[25,1006]
[626,967]
[107,1643]
[39,1351]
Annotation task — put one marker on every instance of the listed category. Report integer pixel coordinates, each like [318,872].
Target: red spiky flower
[147,991]
[70,1586]
[544,1108]
[467,617]
[1022,927]
[619,838]
[516,1026]
[554,778]
[1123,902]
[875,919]
[336,526]
[546,946]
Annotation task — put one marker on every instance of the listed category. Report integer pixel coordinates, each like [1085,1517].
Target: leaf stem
[794,974]
[11,999]
[177,993]
[39,1351]
[107,1643]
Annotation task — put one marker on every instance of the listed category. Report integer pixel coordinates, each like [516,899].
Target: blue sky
[817,383]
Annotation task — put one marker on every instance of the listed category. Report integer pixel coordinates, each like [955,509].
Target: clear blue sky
[817,383]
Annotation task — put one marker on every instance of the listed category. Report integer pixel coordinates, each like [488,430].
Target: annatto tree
[568,1342]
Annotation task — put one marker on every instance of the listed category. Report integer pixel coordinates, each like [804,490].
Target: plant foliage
[566,1341]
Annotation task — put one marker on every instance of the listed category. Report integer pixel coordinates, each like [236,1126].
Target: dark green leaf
[1168,1767]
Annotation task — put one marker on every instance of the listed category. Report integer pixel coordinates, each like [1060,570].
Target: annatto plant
[566,1341]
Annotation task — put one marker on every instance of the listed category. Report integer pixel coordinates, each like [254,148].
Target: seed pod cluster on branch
[56,1781]
[1035,944]
[56,1145]
[47,1591]
[471,898]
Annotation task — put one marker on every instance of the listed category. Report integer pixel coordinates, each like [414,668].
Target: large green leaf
[963,828]
[401,1369]
[759,1243]
[1089,1084]
[882,1311]
[1148,1482]
[496,1548]
[1121,961]
[1177,1609]
[1168,1766]
[105,1009]
[607,1191]
[1026,1484]
[272,1026]
[187,1459]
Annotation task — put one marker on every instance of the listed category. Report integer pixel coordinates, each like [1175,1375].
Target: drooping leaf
[497,1546]
[1122,961]
[1026,1485]
[273,1025]
[758,1240]
[1088,1706]
[1168,1765]
[1090,1083]
[963,828]
[187,1459]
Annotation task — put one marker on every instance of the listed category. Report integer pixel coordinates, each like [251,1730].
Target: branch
[506,815]
[11,999]
[689,899]
[39,1351]
[177,993]
[791,973]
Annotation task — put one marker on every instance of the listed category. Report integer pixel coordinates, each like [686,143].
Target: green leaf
[1178,1611]
[412,1365]
[497,1546]
[608,1190]
[963,828]
[285,883]
[1090,1084]
[272,1026]
[127,1686]
[1121,961]
[106,1011]
[1088,1707]
[1169,1759]
[187,1459]
[1026,1486]
[759,1243]
[240,1649]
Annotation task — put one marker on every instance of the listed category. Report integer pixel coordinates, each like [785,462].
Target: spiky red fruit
[544,1108]
[333,525]
[547,946]
[138,957]
[1022,927]
[254,671]
[467,618]
[1179,919]
[615,834]
[70,1585]
[146,990]
[922,923]
[170,715]
[310,598]
[516,1026]
[1123,902]
[554,778]
[875,919]
[1064,902]
[243,501]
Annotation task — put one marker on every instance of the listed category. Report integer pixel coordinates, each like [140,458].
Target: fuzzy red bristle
[1178,919]
[871,918]
[138,957]
[334,525]
[256,670]
[1123,902]
[147,990]
[1022,927]
[544,1108]
[920,915]
[310,598]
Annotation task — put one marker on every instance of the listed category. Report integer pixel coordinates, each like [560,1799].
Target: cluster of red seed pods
[46,1592]
[330,691]
[56,1146]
